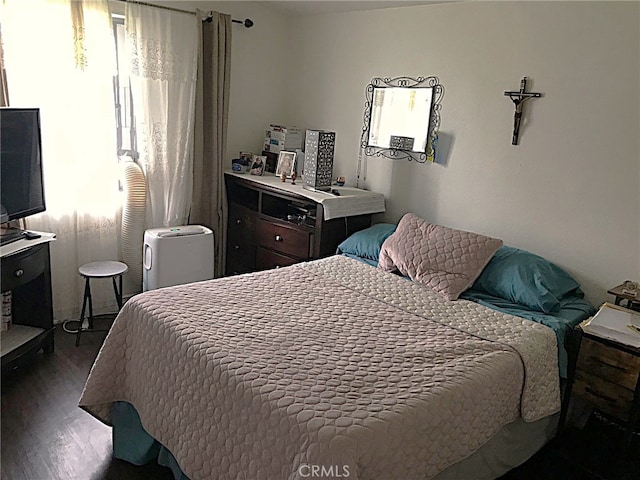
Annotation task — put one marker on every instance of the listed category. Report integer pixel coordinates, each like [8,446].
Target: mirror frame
[434,120]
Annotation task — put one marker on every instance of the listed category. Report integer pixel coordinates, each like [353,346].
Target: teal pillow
[366,243]
[525,278]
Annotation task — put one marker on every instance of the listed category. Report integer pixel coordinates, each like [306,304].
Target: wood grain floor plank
[45,435]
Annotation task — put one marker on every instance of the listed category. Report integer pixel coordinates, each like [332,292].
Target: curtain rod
[247,22]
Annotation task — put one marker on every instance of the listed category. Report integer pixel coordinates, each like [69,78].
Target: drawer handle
[238,221]
[237,247]
[19,272]
[607,364]
[279,238]
[598,394]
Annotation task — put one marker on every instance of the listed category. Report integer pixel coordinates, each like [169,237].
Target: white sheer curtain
[60,57]
[162,50]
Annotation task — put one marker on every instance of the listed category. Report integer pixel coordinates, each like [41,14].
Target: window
[125,120]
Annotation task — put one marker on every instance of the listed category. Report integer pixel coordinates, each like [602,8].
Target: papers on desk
[616,323]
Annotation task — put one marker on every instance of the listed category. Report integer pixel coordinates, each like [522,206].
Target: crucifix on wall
[518,99]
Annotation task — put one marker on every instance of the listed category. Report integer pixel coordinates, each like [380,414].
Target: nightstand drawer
[290,241]
[608,397]
[616,366]
[22,267]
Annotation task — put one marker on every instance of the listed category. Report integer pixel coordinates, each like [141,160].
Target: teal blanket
[133,444]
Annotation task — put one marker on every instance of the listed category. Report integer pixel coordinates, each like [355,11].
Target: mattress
[328,364]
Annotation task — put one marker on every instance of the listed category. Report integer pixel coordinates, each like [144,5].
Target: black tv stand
[10,235]
[26,272]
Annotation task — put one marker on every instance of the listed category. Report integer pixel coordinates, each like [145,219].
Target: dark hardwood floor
[595,452]
[45,436]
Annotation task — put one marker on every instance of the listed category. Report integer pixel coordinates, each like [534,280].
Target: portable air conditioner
[177,255]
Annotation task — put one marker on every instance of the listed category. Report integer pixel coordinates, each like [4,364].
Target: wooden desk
[607,375]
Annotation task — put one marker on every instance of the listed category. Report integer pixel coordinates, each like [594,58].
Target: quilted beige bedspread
[330,367]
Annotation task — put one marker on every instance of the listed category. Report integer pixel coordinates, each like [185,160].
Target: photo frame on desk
[246,157]
[286,163]
[258,165]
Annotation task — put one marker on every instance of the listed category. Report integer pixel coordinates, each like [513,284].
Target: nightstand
[607,375]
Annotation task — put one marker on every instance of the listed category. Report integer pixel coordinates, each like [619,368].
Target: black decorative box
[318,159]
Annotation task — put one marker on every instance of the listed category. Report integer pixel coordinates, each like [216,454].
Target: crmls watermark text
[322,471]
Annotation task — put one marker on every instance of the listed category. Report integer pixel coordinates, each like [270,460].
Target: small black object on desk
[31,235]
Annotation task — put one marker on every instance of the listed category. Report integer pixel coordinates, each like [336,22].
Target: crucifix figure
[518,99]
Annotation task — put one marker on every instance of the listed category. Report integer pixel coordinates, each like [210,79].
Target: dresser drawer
[241,224]
[241,248]
[290,241]
[22,267]
[607,396]
[268,259]
[611,364]
[242,259]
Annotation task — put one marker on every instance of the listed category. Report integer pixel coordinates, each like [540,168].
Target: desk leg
[634,416]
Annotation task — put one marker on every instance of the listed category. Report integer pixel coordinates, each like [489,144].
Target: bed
[328,369]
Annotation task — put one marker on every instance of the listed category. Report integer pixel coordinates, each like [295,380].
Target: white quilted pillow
[445,259]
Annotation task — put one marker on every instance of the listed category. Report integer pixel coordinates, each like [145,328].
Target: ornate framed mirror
[401,118]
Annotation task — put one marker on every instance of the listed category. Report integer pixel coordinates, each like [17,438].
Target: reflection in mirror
[401,118]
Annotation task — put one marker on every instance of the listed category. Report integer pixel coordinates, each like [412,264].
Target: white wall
[570,191]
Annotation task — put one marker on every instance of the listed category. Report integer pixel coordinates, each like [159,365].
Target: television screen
[22,191]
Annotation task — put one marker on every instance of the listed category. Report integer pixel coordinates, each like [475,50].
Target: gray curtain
[4,89]
[208,206]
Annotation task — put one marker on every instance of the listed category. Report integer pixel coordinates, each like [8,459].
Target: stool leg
[87,295]
[120,291]
[90,306]
[117,292]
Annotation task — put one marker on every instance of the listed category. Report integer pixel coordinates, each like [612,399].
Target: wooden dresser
[607,375]
[273,224]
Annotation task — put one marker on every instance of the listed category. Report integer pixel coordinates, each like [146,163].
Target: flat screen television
[22,188]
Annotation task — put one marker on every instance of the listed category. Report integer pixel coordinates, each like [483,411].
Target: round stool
[107,269]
